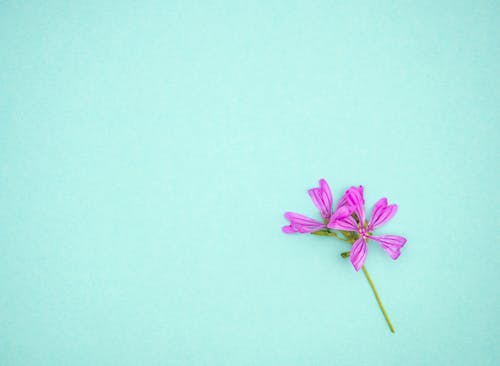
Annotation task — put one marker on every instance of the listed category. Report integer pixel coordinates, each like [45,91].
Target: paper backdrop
[148,151]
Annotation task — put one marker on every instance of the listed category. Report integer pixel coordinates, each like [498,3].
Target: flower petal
[342,220]
[322,198]
[301,224]
[327,192]
[381,213]
[288,229]
[358,253]
[315,194]
[391,244]
[355,199]
[343,201]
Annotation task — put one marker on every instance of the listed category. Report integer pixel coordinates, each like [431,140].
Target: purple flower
[354,203]
[350,221]
[322,199]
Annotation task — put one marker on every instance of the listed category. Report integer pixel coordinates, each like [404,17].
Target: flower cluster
[349,220]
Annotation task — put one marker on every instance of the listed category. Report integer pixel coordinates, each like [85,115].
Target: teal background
[149,150]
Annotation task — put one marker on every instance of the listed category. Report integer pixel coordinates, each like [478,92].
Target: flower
[349,218]
[353,203]
[322,199]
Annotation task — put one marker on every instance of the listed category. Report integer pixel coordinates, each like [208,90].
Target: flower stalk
[374,289]
[375,292]
[348,222]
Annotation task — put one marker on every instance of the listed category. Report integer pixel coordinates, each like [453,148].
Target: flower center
[362,233]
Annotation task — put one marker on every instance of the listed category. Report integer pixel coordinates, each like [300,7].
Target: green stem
[378,299]
[345,254]
[329,233]
[322,233]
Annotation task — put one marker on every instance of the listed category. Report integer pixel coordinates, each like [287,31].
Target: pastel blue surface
[149,150]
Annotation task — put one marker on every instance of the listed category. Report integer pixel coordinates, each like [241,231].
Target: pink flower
[322,199]
[353,202]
